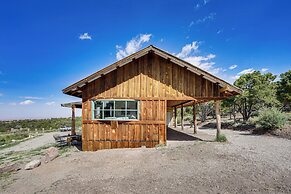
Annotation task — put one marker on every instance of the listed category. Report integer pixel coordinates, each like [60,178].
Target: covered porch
[73,106]
[188,130]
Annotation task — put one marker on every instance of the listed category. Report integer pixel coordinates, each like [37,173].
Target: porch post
[182,117]
[73,129]
[175,116]
[194,119]
[218,118]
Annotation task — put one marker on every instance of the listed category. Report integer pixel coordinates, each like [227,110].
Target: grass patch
[221,138]
[8,138]
[16,141]
[64,149]
[5,175]
[160,146]
[23,155]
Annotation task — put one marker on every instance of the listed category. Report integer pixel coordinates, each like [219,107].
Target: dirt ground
[36,142]
[246,164]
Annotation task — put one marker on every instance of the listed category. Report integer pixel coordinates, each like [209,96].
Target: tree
[284,89]
[259,90]
[204,110]
[229,107]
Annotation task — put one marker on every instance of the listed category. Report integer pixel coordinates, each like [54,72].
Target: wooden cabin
[128,104]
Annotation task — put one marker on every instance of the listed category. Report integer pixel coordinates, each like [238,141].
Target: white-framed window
[115,109]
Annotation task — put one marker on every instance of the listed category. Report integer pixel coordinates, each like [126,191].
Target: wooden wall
[151,76]
[151,79]
[149,131]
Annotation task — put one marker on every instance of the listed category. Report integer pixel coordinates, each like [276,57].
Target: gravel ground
[245,164]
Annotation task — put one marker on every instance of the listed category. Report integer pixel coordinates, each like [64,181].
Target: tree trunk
[218,118]
[175,117]
[245,116]
[73,129]
[234,112]
[194,119]
[182,117]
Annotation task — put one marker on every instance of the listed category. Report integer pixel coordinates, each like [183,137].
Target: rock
[31,165]
[10,168]
[51,154]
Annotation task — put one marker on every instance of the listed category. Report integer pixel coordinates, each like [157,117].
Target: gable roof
[75,88]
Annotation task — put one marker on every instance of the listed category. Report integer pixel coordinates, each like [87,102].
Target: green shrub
[221,138]
[270,119]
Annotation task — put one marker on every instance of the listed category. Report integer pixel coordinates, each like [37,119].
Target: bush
[221,138]
[270,119]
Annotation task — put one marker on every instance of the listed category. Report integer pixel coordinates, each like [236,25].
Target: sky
[47,45]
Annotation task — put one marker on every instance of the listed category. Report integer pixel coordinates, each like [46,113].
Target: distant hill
[46,124]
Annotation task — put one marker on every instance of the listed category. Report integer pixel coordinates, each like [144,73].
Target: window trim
[116,119]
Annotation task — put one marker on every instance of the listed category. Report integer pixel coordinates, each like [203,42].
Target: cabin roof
[72,104]
[75,89]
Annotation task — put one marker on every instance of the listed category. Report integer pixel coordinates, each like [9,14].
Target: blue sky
[48,45]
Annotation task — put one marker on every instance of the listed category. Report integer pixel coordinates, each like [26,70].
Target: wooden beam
[218,117]
[224,89]
[194,119]
[175,116]
[181,104]
[182,117]
[73,129]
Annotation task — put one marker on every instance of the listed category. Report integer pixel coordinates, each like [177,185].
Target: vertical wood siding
[150,76]
[149,131]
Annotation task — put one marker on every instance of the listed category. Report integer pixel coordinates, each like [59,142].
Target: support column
[73,129]
[194,119]
[218,117]
[182,117]
[175,117]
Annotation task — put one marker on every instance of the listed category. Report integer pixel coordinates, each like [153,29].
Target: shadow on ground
[228,125]
[180,136]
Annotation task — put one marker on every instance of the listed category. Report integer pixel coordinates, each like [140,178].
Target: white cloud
[264,69]
[204,2]
[191,24]
[216,70]
[210,17]
[246,71]
[188,49]
[85,36]
[132,46]
[189,54]
[233,66]
[219,31]
[235,77]
[50,103]
[31,97]
[26,102]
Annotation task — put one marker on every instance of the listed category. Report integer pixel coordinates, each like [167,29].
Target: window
[115,109]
